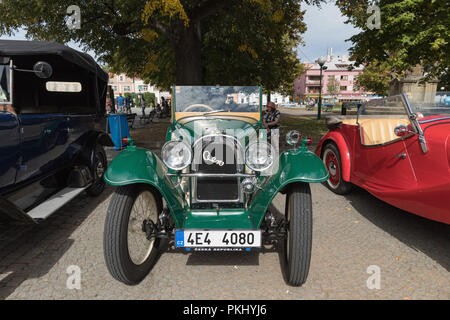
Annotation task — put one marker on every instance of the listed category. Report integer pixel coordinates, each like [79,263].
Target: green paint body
[137,165]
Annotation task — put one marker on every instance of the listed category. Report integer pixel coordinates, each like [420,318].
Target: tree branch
[209,8]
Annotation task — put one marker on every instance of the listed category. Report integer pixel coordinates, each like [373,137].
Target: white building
[123,84]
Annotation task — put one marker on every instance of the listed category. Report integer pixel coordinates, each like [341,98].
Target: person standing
[271,121]
[120,103]
[141,101]
[128,103]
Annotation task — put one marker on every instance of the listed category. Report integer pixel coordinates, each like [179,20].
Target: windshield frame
[10,84]
[224,114]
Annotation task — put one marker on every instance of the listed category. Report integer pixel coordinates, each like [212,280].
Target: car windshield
[4,84]
[439,105]
[211,100]
[390,107]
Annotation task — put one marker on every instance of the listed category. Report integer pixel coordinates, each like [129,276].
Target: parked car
[397,151]
[52,106]
[211,189]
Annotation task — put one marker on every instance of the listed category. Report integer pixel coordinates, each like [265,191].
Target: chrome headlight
[176,155]
[292,137]
[259,156]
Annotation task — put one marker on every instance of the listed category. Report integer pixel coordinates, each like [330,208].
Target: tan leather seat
[377,131]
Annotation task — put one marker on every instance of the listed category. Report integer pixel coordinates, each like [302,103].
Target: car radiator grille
[217,189]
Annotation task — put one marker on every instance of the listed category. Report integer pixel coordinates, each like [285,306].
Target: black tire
[98,169]
[298,241]
[331,157]
[115,238]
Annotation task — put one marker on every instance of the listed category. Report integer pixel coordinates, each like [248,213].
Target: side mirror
[401,130]
[43,70]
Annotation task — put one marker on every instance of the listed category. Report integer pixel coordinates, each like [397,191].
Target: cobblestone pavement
[350,234]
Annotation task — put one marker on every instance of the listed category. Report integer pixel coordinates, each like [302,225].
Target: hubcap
[100,169]
[331,162]
[144,208]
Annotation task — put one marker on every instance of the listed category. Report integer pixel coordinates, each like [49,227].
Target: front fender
[299,165]
[136,165]
[344,150]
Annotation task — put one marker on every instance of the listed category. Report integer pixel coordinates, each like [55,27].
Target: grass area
[152,136]
[309,127]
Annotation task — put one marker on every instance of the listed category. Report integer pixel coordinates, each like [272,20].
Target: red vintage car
[396,150]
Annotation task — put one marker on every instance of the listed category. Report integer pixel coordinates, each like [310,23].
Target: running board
[50,206]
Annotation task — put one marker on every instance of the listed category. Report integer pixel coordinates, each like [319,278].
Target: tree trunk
[188,45]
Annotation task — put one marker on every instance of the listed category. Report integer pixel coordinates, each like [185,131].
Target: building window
[344,77]
[330,77]
[313,89]
[126,88]
[121,78]
[343,88]
[314,78]
[114,88]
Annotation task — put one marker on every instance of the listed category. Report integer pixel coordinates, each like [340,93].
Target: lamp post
[321,62]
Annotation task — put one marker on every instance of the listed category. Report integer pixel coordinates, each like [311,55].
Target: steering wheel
[193,106]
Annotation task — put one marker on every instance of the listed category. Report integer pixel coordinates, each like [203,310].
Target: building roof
[337,64]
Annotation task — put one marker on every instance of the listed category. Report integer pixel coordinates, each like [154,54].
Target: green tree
[333,87]
[411,33]
[376,78]
[175,41]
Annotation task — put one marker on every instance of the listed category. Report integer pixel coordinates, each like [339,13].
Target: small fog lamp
[293,137]
[248,185]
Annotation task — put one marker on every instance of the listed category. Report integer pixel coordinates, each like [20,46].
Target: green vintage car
[212,187]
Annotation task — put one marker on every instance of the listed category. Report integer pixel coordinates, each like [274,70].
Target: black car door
[44,139]
[9,147]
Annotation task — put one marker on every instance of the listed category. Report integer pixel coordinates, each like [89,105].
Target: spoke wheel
[129,254]
[144,209]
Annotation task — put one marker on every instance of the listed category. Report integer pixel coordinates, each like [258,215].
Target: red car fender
[339,140]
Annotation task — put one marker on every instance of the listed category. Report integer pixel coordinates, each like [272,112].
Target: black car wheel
[332,159]
[99,166]
[298,240]
[129,254]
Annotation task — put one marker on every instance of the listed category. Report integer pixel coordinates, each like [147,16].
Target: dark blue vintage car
[52,117]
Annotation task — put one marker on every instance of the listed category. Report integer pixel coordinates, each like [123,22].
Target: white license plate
[217,239]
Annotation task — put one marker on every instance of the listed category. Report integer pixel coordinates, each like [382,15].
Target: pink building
[308,85]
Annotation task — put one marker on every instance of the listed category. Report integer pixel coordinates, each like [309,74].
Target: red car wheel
[332,165]
[332,160]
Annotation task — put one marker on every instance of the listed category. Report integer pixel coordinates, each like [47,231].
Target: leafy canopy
[240,42]
[411,32]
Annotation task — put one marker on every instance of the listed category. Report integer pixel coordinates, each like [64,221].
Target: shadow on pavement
[31,251]
[427,236]
[223,259]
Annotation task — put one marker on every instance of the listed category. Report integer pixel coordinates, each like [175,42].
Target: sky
[326,29]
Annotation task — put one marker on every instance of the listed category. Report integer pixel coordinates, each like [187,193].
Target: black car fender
[87,154]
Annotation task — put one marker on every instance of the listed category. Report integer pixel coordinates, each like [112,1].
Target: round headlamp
[259,156]
[176,155]
[292,137]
